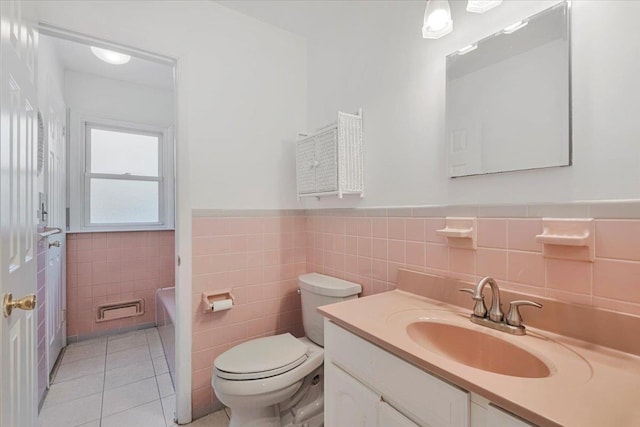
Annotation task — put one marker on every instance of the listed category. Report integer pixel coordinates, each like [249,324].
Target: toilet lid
[261,358]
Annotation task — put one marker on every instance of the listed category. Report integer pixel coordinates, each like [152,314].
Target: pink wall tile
[260,259]
[416,254]
[415,229]
[437,256]
[462,261]
[492,262]
[569,276]
[492,233]
[522,234]
[114,267]
[431,226]
[618,239]
[618,280]
[396,228]
[526,268]
[379,227]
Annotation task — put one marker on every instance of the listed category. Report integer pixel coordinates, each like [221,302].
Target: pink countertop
[589,385]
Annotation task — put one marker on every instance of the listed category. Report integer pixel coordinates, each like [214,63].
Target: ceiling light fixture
[481,6]
[110,57]
[467,49]
[437,19]
[515,27]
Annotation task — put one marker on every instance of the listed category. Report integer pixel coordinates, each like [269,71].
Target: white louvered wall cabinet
[331,161]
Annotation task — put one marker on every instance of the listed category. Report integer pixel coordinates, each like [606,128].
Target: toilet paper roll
[222,305]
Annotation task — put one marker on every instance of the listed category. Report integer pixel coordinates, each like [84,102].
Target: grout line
[104,379]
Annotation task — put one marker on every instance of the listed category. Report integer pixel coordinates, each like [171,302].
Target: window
[125,180]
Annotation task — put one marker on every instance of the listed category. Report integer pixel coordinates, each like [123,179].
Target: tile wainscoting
[112,267]
[259,257]
[369,251]
[260,253]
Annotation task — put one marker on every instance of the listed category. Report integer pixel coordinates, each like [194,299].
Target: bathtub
[165,322]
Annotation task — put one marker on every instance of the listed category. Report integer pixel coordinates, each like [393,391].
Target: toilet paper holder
[217,301]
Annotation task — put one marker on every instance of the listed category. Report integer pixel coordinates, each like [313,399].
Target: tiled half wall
[369,250]
[259,254]
[259,257]
[113,267]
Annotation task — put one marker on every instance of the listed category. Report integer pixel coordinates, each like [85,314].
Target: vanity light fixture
[437,19]
[110,57]
[481,6]
[468,48]
[515,27]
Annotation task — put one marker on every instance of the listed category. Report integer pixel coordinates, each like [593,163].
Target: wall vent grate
[119,310]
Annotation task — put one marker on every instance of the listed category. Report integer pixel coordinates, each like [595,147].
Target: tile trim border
[599,209]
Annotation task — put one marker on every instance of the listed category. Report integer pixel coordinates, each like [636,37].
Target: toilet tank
[317,290]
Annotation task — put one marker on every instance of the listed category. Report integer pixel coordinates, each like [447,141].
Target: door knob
[25,303]
[56,244]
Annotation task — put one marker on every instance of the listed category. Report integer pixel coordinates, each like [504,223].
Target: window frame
[80,175]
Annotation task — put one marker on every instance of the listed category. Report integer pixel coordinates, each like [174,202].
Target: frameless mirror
[508,98]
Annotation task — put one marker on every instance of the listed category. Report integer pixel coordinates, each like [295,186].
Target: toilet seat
[261,358]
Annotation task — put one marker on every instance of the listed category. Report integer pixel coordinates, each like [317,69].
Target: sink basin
[476,349]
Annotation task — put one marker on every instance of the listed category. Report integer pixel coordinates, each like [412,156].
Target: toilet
[278,381]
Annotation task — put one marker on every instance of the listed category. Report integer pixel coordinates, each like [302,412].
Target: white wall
[377,59]
[118,100]
[242,89]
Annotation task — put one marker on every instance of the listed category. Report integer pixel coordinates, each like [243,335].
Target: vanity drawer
[419,395]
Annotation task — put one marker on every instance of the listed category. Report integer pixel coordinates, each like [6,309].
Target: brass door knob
[56,244]
[25,303]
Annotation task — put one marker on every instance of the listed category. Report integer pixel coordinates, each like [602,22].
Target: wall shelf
[460,232]
[568,238]
[330,161]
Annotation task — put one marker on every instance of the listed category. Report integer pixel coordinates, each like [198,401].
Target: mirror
[508,98]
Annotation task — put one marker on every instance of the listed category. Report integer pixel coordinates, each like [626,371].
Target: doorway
[112,190]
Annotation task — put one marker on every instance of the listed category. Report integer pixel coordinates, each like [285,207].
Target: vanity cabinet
[361,377]
[366,386]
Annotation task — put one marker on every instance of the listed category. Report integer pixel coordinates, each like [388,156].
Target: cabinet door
[389,417]
[496,417]
[348,403]
[305,165]
[327,161]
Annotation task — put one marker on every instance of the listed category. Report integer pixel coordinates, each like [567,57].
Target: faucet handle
[479,310]
[513,316]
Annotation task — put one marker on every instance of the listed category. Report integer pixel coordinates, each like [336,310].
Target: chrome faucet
[493,318]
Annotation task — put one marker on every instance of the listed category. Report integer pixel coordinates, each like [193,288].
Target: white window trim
[79,176]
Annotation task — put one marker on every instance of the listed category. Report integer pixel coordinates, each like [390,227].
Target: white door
[55,267]
[18,151]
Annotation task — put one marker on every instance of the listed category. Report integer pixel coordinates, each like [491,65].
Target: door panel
[18,137]
[55,200]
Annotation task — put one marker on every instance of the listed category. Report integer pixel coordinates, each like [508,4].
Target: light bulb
[110,57]
[437,19]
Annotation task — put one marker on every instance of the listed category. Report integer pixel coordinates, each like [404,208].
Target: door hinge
[64,315]
[178,260]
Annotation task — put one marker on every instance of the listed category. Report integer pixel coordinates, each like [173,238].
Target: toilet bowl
[278,380]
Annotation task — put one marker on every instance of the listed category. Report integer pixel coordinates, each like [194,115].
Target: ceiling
[310,18]
[78,57]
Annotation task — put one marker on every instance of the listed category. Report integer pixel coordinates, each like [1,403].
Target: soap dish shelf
[461,232]
[568,238]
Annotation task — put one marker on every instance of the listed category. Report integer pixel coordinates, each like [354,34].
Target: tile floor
[119,381]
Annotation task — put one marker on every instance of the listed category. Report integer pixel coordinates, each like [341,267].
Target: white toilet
[278,381]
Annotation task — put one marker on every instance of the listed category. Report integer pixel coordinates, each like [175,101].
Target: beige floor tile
[128,374]
[79,368]
[73,389]
[129,357]
[160,365]
[147,415]
[72,413]
[129,396]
